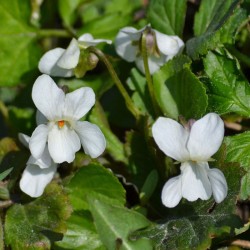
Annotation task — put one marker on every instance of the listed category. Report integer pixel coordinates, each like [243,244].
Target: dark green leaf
[168,16]
[114,225]
[19,51]
[228,89]
[5,173]
[178,91]
[96,180]
[141,98]
[222,29]
[114,146]
[37,224]
[81,234]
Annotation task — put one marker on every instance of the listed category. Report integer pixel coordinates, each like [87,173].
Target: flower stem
[147,72]
[117,81]
[53,32]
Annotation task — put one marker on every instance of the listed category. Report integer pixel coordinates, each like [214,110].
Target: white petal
[171,192]
[48,64]
[206,136]
[44,161]
[70,57]
[24,139]
[171,138]
[63,143]
[78,103]
[123,44]
[34,179]
[195,182]
[88,40]
[219,184]
[48,98]
[40,118]
[167,44]
[92,138]
[38,141]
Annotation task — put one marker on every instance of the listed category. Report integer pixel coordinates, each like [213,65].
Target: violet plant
[124,124]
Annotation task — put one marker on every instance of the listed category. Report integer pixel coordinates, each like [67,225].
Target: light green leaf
[81,234]
[96,180]
[114,225]
[238,148]
[114,146]
[168,16]
[221,30]
[178,91]
[19,51]
[36,224]
[228,89]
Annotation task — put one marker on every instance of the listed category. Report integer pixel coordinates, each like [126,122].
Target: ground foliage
[113,202]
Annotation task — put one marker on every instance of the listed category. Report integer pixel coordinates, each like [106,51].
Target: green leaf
[178,91]
[19,51]
[141,158]
[222,29]
[114,146]
[5,173]
[81,234]
[99,84]
[141,98]
[103,19]
[114,225]
[96,180]
[37,224]
[168,16]
[238,147]
[228,89]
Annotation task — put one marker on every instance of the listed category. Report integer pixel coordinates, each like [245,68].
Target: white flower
[38,172]
[63,132]
[163,47]
[193,148]
[61,62]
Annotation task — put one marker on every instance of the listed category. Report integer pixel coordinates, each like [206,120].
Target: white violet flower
[161,47]
[193,148]
[38,172]
[61,62]
[63,132]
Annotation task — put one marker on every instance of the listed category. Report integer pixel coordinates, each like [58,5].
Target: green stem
[243,58]
[53,32]
[119,85]
[147,72]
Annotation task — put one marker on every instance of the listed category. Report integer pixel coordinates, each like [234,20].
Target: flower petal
[171,138]
[35,179]
[44,161]
[92,138]
[88,40]
[48,64]
[38,141]
[123,44]
[154,63]
[40,118]
[205,138]
[171,192]
[168,45]
[24,139]
[195,182]
[63,143]
[48,98]
[70,57]
[78,103]
[219,184]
